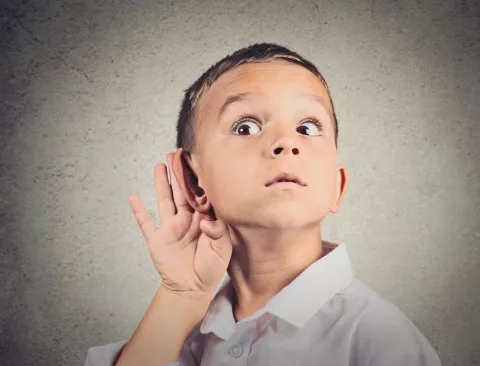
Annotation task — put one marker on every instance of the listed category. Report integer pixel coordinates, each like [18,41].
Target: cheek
[221,185]
[324,183]
[230,190]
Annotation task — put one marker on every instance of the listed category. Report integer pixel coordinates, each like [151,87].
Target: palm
[187,245]
[181,252]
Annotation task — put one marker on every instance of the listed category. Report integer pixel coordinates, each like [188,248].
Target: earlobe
[341,187]
[188,181]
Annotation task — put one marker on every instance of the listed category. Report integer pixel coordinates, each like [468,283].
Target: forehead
[278,79]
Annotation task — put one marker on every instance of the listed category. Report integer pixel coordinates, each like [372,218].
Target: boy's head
[287,124]
[257,53]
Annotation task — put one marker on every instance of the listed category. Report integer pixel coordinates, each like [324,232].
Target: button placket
[235,351]
[238,346]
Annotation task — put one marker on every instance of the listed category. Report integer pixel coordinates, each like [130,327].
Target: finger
[145,222]
[219,235]
[179,199]
[194,228]
[163,192]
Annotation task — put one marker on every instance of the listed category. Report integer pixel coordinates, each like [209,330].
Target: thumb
[213,229]
[219,234]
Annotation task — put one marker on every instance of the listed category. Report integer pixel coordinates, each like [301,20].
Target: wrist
[193,301]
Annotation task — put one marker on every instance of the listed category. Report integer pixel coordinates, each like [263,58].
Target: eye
[318,125]
[242,122]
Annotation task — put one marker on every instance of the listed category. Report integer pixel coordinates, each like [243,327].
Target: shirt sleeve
[108,354]
[385,336]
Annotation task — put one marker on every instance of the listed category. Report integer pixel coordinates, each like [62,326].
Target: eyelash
[315,121]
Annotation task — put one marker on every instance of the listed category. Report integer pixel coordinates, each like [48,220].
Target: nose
[280,149]
[284,146]
[284,142]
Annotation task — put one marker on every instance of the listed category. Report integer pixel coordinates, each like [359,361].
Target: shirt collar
[297,302]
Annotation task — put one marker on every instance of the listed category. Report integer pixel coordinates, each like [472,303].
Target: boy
[256,157]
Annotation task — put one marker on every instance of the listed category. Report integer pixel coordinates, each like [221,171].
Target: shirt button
[235,351]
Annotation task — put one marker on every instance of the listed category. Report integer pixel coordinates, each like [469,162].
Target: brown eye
[317,124]
[243,127]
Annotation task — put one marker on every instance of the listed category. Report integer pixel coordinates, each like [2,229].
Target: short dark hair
[256,53]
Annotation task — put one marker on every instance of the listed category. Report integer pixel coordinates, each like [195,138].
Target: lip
[285,185]
[286,176]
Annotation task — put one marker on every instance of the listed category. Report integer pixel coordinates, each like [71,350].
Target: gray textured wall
[90,96]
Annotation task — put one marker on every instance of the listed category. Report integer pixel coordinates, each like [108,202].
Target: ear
[341,187]
[184,170]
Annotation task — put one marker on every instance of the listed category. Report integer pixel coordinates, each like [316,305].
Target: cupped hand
[190,256]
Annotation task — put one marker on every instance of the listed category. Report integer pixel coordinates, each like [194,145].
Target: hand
[190,257]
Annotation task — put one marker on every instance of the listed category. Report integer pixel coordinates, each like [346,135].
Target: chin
[286,220]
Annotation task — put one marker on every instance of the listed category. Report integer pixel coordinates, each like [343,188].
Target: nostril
[278,150]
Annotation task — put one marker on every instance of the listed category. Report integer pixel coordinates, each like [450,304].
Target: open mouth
[285,180]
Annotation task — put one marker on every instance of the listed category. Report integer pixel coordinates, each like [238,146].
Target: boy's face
[233,166]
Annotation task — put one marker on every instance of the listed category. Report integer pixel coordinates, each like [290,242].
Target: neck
[264,262]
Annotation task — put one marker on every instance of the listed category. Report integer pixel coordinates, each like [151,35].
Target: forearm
[163,330]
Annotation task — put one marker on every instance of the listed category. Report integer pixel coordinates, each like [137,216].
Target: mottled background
[90,95]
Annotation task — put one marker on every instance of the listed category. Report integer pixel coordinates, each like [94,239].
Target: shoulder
[383,335]
[106,354]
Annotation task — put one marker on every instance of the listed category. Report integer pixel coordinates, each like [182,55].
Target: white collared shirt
[324,317]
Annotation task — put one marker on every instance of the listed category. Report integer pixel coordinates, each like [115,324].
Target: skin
[275,234]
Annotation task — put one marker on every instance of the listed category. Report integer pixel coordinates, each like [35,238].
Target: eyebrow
[240,97]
